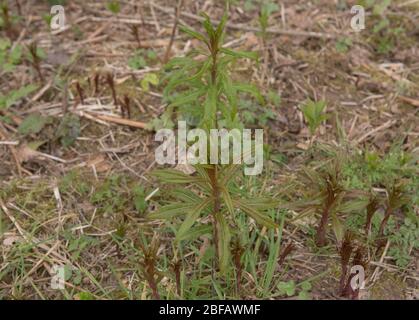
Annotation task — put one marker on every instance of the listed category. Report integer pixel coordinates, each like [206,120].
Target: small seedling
[343,45]
[114,6]
[328,197]
[134,31]
[111,84]
[266,10]
[285,253]
[7,21]
[14,96]
[126,107]
[149,270]
[237,253]
[372,208]
[80,92]
[345,256]
[94,82]
[396,197]
[313,114]
[176,267]
[35,57]
[10,56]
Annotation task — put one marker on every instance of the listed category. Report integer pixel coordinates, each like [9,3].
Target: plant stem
[321,229]
[213,171]
[383,224]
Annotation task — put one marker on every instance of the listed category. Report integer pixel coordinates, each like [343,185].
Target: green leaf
[191,218]
[170,211]
[174,176]
[191,97]
[193,33]
[32,124]
[337,227]
[137,62]
[312,112]
[251,89]
[240,54]
[381,6]
[114,6]
[304,295]
[287,288]
[196,232]
[15,55]
[259,217]
[85,296]
[185,195]
[228,201]
[68,130]
[262,203]
[149,78]
[208,27]
[139,199]
[221,25]
[305,286]
[15,95]
[200,169]
[228,172]
[4,44]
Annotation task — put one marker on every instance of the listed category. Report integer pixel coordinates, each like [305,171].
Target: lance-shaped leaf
[174,176]
[240,54]
[187,98]
[251,89]
[228,172]
[185,195]
[337,227]
[208,26]
[262,203]
[227,199]
[196,232]
[259,217]
[191,218]
[177,78]
[171,211]
[223,245]
[200,169]
[193,33]
[231,94]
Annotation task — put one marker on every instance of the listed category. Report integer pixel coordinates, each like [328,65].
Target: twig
[413,102]
[386,125]
[172,37]
[4,136]
[121,121]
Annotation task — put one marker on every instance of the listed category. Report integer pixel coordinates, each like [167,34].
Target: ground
[75,182]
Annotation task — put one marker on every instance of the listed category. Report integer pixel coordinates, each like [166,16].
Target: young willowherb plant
[148,265]
[396,198]
[35,57]
[207,97]
[314,116]
[328,198]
